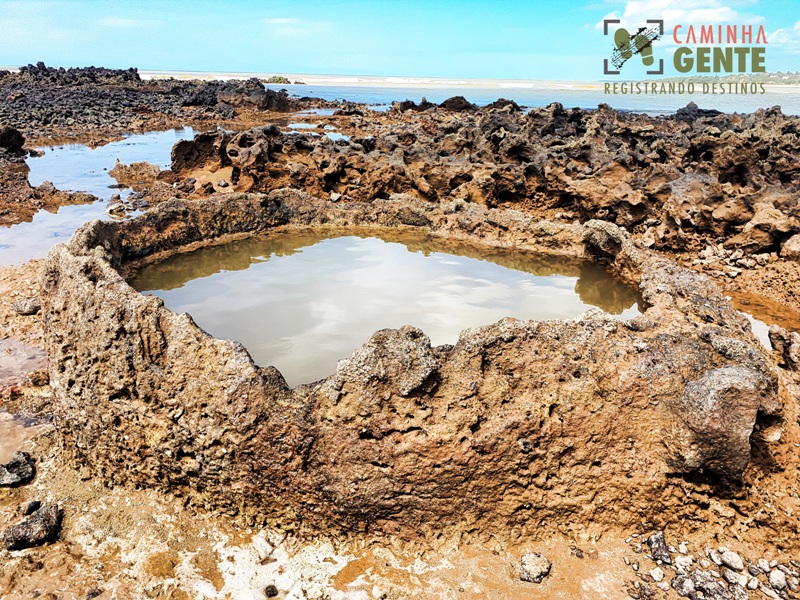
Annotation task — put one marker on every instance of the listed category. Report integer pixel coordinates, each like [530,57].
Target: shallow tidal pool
[301,301]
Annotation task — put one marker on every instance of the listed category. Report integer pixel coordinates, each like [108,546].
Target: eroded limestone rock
[513,425]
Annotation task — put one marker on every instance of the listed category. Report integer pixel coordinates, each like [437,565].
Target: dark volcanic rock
[458,104]
[17,472]
[41,527]
[11,139]
[658,548]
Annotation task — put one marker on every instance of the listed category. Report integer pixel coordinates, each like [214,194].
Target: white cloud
[788,39]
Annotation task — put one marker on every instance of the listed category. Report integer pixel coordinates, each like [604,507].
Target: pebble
[41,527]
[753,570]
[777,579]
[763,565]
[534,568]
[683,548]
[20,470]
[793,583]
[715,558]
[773,563]
[732,560]
[705,563]
[682,563]
[27,306]
[767,591]
[222,183]
[752,584]
[658,548]
[115,208]
[730,575]
[657,574]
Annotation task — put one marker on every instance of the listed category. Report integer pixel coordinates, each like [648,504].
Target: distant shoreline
[387,81]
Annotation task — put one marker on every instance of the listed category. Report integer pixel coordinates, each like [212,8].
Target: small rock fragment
[730,575]
[657,574]
[732,560]
[737,592]
[222,183]
[17,472]
[32,507]
[42,527]
[658,548]
[27,306]
[683,585]
[752,584]
[768,591]
[763,565]
[682,563]
[271,591]
[534,568]
[777,580]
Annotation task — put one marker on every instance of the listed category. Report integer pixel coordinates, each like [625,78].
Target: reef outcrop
[520,428]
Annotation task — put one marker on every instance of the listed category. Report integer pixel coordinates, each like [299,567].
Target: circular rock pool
[301,301]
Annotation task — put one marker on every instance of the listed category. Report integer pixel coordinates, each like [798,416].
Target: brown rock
[791,248]
[404,438]
[41,527]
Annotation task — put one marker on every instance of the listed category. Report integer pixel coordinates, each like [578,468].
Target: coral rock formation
[510,428]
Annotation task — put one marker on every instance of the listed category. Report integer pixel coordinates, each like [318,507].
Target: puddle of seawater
[77,167]
[16,434]
[335,136]
[301,301]
[17,360]
[316,112]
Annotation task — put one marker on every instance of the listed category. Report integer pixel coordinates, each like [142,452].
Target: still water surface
[79,168]
[302,301]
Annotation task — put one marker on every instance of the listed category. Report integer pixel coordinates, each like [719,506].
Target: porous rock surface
[678,180]
[510,429]
[81,101]
[40,527]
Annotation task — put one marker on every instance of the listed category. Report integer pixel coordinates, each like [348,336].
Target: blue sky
[429,38]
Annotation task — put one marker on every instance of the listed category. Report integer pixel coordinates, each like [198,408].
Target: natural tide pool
[80,168]
[301,301]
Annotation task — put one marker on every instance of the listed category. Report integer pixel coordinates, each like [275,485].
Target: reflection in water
[15,434]
[77,167]
[303,300]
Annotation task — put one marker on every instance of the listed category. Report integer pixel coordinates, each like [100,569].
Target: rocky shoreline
[539,446]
